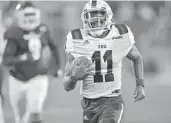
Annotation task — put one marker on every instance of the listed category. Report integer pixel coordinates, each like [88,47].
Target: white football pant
[35,91]
[1,113]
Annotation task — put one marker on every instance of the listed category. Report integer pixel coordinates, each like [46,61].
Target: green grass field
[64,107]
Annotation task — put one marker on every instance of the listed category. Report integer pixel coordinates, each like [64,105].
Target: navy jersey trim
[121,28]
[76,34]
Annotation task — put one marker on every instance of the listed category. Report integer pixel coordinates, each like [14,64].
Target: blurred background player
[29,52]
[105,44]
[1,93]
[2,48]
[1,96]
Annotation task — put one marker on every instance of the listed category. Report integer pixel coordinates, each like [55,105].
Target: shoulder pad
[69,46]
[122,28]
[76,34]
[13,33]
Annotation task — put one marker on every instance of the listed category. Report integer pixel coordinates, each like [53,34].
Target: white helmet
[96,15]
[28,16]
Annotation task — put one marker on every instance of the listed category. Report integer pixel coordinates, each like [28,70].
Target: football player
[28,52]
[95,56]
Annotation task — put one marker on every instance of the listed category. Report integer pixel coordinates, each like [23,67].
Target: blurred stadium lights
[125,11]
[146,12]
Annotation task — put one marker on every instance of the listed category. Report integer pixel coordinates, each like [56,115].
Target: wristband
[140,82]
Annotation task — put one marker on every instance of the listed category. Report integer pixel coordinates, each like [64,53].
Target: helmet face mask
[28,18]
[95,19]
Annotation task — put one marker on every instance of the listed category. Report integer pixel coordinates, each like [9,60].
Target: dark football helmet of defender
[28,16]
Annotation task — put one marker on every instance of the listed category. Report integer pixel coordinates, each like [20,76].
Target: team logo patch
[85,117]
[86,42]
[117,37]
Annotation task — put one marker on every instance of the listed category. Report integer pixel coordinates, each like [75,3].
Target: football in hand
[83,60]
[80,67]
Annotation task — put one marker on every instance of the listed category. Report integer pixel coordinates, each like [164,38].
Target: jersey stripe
[94,3]
[76,34]
[121,28]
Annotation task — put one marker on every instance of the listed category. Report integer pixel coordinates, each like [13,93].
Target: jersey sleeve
[131,36]
[127,37]
[10,48]
[69,45]
[11,44]
[131,39]
[13,33]
[8,35]
[125,31]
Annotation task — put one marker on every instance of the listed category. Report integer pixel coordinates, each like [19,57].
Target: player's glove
[80,68]
[139,93]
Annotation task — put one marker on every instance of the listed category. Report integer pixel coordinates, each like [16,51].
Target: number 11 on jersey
[107,57]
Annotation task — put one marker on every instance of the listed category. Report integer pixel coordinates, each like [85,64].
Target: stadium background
[151,24]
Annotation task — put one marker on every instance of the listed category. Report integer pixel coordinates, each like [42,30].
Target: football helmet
[28,16]
[96,15]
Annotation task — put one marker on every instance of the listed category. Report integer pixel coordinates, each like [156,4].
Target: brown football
[84,60]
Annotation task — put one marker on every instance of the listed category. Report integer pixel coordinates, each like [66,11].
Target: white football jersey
[106,55]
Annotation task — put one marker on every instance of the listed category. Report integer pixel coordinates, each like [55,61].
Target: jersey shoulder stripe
[76,34]
[94,3]
[122,28]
